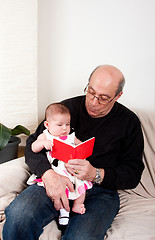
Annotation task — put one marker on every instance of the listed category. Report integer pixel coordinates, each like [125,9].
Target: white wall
[18,63]
[73,38]
[76,36]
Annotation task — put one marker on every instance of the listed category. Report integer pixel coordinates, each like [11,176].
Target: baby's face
[59,125]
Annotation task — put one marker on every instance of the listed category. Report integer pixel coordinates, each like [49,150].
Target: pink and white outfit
[80,185]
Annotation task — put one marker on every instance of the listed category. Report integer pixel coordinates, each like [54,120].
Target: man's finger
[65,203]
[57,204]
[69,184]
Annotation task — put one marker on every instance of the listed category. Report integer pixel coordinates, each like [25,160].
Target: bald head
[111,75]
[105,82]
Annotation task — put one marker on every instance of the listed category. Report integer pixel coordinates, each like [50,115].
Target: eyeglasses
[101,99]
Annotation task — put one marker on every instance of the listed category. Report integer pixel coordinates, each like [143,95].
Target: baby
[57,124]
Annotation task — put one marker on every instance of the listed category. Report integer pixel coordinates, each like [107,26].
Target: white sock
[64,217]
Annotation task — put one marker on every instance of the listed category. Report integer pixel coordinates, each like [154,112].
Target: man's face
[101,86]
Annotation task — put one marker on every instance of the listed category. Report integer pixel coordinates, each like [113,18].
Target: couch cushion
[136,217]
[135,220]
[146,188]
[11,186]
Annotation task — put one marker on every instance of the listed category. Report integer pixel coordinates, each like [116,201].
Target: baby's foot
[63,220]
[79,208]
[64,217]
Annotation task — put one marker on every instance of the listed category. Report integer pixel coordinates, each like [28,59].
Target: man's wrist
[46,173]
[98,176]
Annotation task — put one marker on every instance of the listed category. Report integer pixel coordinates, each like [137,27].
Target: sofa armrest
[13,176]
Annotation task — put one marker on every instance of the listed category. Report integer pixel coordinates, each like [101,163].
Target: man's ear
[46,124]
[119,95]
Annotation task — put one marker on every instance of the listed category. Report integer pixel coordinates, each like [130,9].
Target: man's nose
[94,101]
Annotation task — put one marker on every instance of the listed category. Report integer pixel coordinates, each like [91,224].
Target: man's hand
[81,168]
[55,186]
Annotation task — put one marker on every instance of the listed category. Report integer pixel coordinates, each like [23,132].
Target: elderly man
[116,163]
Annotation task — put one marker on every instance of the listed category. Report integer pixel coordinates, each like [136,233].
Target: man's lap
[30,212]
[101,208]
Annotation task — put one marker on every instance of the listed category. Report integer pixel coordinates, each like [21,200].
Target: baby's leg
[78,205]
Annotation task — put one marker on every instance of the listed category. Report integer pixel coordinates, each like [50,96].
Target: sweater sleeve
[129,170]
[37,162]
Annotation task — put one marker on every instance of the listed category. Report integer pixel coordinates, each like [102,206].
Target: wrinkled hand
[55,186]
[81,168]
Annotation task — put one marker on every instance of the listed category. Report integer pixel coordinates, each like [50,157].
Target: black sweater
[118,145]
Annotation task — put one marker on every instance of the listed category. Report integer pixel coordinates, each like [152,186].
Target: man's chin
[92,113]
[96,113]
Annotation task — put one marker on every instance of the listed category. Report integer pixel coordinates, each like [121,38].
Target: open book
[64,152]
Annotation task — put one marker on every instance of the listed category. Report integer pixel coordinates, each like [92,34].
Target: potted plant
[9,143]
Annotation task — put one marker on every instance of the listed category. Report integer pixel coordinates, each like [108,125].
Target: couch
[136,217]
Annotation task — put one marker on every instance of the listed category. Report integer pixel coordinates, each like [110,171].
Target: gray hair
[120,86]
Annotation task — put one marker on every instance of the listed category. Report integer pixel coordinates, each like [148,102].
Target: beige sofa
[136,218]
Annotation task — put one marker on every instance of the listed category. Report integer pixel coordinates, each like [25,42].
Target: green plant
[6,133]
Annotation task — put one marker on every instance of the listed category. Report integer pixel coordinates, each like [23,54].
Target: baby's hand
[48,144]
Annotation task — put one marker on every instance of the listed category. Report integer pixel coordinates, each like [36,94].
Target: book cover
[65,152]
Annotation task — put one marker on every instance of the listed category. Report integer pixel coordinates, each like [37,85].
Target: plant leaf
[5,134]
[20,129]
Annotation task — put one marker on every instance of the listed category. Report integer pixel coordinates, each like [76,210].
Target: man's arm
[37,162]
[126,174]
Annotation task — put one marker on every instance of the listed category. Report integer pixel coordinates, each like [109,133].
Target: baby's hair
[55,108]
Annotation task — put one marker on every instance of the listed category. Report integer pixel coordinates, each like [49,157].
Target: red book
[64,151]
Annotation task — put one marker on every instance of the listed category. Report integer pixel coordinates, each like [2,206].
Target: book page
[64,151]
